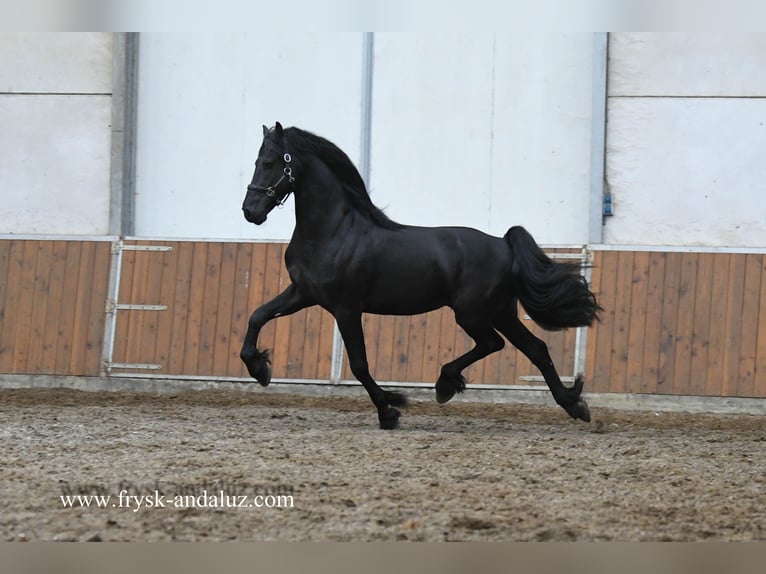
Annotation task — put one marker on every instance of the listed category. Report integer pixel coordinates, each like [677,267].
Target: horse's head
[273,179]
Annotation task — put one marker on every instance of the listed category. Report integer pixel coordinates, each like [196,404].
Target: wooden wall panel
[681,323]
[210,289]
[674,322]
[52,301]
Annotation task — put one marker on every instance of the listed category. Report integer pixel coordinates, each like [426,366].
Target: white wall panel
[54,164]
[687,171]
[542,135]
[68,63]
[202,101]
[687,64]
[432,121]
[484,130]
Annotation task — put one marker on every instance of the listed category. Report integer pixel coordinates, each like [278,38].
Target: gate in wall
[179,309]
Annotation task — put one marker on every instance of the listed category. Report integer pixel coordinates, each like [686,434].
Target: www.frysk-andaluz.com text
[208,495]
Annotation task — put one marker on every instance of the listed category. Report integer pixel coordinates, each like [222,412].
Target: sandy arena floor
[463,471]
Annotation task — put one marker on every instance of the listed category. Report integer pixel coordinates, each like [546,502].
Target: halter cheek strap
[271,191]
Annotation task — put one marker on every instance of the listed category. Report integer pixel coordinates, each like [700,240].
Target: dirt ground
[461,471]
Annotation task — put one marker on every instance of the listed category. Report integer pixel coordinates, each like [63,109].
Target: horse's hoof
[258,365]
[578,410]
[389,418]
[263,375]
[448,388]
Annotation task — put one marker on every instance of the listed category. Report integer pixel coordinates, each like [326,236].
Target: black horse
[348,257]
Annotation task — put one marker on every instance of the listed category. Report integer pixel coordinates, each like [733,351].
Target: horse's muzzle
[252,216]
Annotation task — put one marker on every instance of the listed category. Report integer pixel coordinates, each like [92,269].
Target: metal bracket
[147,248]
[119,246]
[111,307]
[145,366]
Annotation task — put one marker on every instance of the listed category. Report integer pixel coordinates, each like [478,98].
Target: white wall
[55,112]
[686,139]
[201,103]
[485,130]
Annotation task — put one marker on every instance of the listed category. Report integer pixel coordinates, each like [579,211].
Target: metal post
[124,90]
[598,136]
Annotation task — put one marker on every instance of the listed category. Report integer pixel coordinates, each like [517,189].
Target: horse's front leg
[257,362]
[350,326]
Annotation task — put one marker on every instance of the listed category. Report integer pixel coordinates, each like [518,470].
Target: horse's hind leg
[537,351]
[350,326]
[487,341]
[286,303]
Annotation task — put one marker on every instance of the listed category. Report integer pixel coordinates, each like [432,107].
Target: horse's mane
[340,164]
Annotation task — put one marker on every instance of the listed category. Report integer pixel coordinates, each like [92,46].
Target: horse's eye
[268,164]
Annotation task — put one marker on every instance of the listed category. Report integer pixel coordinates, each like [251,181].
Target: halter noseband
[270,191]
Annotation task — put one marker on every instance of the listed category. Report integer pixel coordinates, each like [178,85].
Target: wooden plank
[324,364]
[400,354]
[607,273]
[10,285]
[760,364]
[385,340]
[180,308]
[653,323]
[637,334]
[209,312]
[310,355]
[669,323]
[416,348]
[295,345]
[705,300]
[621,325]
[41,292]
[192,345]
[136,320]
[63,345]
[24,322]
[431,365]
[748,339]
[152,296]
[718,314]
[52,303]
[687,291]
[241,310]
[98,279]
[81,305]
[224,352]
[168,277]
[733,329]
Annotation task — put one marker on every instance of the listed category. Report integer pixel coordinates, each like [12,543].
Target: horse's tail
[555,295]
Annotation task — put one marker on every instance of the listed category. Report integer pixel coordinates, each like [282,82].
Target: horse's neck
[321,211]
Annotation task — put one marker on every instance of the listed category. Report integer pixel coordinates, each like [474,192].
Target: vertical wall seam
[598,136]
[365,152]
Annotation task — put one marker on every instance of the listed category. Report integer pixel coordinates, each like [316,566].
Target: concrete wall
[686,139]
[55,109]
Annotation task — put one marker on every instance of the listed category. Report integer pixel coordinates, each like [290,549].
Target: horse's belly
[405,297]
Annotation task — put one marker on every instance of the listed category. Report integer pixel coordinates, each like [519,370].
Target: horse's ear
[265,131]
[278,130]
